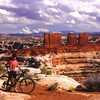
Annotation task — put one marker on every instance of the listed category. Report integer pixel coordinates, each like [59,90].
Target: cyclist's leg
[16,82]
[6,84]
[14,76]
[9,76]
[11,81]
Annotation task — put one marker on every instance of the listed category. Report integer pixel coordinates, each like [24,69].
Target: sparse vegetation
[71,88]
[93,83]
[53,87]
[46,70]
[2,68]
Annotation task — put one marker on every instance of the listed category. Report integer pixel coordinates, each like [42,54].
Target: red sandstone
[52,44]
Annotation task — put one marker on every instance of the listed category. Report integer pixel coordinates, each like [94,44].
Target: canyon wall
[77,58]
[78,65]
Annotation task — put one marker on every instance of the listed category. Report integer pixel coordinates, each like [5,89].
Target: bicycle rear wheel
[3,81]
[26,85]
[4,77]
[6,85]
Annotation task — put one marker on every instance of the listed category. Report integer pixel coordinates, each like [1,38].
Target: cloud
[4,12]
[76,14]
[7,3]
[26,30]
[49,2]
[50,14]
[40,30]
[73,21]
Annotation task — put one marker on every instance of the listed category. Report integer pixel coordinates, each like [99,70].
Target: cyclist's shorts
[12,74]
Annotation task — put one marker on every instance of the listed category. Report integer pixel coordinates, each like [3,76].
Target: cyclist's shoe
[3,87]
[4,83]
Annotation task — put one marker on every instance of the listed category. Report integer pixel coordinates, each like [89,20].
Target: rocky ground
[13,96]
[78,60]
[41,93]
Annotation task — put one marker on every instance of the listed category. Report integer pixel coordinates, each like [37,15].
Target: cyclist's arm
[7,65]
[19,68]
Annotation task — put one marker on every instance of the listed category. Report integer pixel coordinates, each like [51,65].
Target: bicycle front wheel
[26,85]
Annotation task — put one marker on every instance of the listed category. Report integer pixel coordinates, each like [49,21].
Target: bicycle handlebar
[25,71]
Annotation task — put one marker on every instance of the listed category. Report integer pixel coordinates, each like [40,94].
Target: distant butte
[53,44]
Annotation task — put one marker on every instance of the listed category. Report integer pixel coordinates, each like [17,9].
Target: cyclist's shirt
[12,65]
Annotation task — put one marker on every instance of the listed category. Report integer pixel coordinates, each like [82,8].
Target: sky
[29,16]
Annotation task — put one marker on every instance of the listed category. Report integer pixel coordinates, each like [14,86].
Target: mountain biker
[11,66]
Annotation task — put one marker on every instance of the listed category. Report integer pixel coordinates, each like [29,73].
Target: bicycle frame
[15,80]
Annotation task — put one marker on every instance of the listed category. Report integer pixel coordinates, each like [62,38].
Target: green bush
[71,88]
[45,70]
[53,87]
[2,68]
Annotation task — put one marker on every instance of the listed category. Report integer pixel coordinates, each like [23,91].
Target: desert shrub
[53,87]
[46,70]
[71,88]
[2,68]
[93,83]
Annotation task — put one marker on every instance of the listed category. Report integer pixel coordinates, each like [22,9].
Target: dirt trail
[41,93]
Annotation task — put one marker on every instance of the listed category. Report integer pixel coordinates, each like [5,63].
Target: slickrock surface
[63,82]
[13,96]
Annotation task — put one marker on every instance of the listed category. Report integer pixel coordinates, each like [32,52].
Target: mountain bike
[4,76]
[22,82]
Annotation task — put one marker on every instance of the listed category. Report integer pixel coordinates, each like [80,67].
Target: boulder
[64,82]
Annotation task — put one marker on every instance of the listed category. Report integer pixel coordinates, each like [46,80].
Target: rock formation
[71,39]
[52,44]
[83,38]
[52,40]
